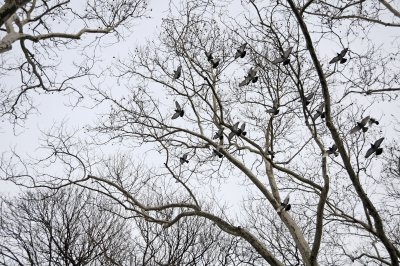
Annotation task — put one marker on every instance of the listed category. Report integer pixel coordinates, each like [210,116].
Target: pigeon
[241,52]
[219,134]
[209,56]
[285,205]
[251,76]
[331,150]
[215,62]
[237,131]
[184,159]
[275,108]
[340,57]
[375,148]
[320,112]
[361,125]
[178,111]
[216,152]
[307,99]
[178,72]
[271,153]
[373,121]
[285,58]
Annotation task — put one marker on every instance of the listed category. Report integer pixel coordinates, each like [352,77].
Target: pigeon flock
[319,113]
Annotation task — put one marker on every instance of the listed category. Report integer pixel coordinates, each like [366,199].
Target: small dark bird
[340,57]
[179,112]
[219,134]
[184,159]
[251,76]
[331,150]
[275,108]
[241,131]
[375,148]
[320,112]
[373,121]
[271,153]
[285,58]
[215,62]
[241,52]
[235,130]
[216,152]
[178,72]
[285,205]
[361,125]
[307,99]
[209,56]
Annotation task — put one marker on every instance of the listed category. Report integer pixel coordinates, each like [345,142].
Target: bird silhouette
[235,130]
[241,52]
[179,112]
[275,108]
[250,77]
[285,58]
[271,153]
[215,62]
[307,99]
[219,134]
[373,121]
[178,72]
[340,57]
[184,159]
[331,150]
[320,112]
[375,148]
[361,125]
[209,56]
[216,152]
[285,205]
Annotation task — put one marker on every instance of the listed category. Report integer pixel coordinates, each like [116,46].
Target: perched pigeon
[178,72]
[307,99]
[285,58]
[209,56]
[340,57]
[241,52]
[219,134]
[184,159]
[216,152]
[375,148]
[271,153]
[320,112]
[178,111]
[285,205]
[241,131]
[361,125]
[251,76]
[331,150]
[215,62]
[275,108]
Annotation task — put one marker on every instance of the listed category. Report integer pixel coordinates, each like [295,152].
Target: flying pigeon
[209,56]
[307,99]
[219,134]
[361,125]
[215,62]
[178,111]
[237,131]
[241,52]
[275,108]
[340,57]
[285,205]
[331,150]
[320,112]
[375,148]
[285,58]
[178,72]
[216,152]
[184,159]
[251,76]
[373,121]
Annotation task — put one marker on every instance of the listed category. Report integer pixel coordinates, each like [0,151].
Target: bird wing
[245,82]
[231,134]
[354,129]
[344,52]
[365,121]
[333,148]
[321,107]
[176,115]
[287,53]
[235,126]
[378,142]
[370,151]
[286,200]
[334,60]
[184,157]
[316,115]
[243,127]
[178,106]
[310,96]
[278,60]
[271,111]
[242,47]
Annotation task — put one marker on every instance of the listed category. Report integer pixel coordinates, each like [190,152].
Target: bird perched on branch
[284,58]
[241,52]
[216,152]
[179,112]
[340,57]
[275,108]
[285,205]
[375,148]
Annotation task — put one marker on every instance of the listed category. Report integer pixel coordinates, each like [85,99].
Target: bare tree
[33,35]
[287,118]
